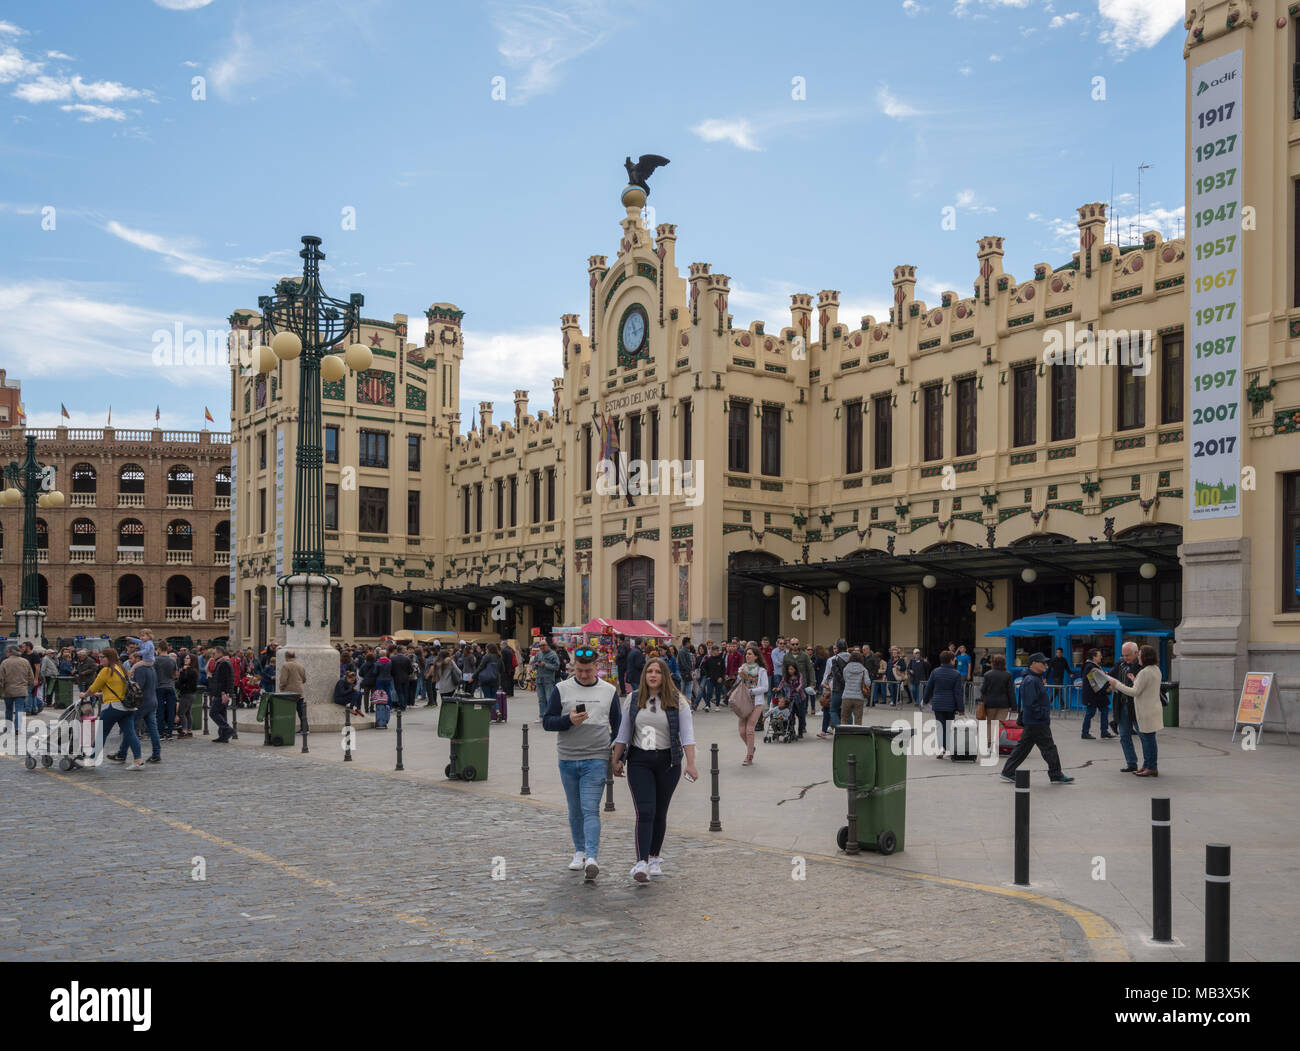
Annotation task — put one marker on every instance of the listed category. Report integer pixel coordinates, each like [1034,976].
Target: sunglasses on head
[584,654]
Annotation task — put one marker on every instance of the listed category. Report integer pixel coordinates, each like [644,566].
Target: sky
[161,159]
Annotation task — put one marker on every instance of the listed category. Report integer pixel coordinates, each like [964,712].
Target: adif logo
[1202,89]
[102,1005]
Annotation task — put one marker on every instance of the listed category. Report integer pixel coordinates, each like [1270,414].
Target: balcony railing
[81,554]
[81,613]
[180,500]
[222,615]
[130,554]
[82,499]
[222,503]
[176,614]
[221,558]
[180,558]
[42,554]
[130,613]
[130,499]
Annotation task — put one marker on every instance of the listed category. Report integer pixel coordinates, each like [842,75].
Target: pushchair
[71,737]
[782,725]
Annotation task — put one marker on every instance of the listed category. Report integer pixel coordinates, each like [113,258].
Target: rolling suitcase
[499,708]
[965,734]
[1009,737]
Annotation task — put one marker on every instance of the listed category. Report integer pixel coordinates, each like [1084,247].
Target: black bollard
[524,790]
[205,713]
[234,717]
[1162,881]
[399,741]
[347,735]
[304,741]
[851,843]
[715,822]
[609,784]
[1218,901]
[1022,828]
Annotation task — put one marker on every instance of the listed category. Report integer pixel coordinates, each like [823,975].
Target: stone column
[29,624]
[1212,640]
[306,603]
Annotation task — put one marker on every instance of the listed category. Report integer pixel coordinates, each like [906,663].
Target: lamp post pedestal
[29,626]
[307,633]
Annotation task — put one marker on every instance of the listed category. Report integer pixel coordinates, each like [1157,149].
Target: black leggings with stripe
[652,781]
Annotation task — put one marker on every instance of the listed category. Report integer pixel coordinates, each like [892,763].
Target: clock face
[634,331]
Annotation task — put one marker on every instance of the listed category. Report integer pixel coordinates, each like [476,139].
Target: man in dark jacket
[1122,721]
[221,690]
[945,694]
[635,666]
[918,670]
[620,664]
[1094,701]
[1036,718]
[712,673]
[403,672]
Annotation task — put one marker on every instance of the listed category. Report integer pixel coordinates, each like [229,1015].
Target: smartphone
[579,707]
[689,778]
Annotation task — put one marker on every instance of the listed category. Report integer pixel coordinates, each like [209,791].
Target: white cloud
[90,113]
[60,89]
[739,133]
[9,29]
[59,54]
[192,65]
[1122,226]
[1130,25]
[975,8]
[183,260]
[182,5]
[911,8]
[966,202]
[496,363]
[1062,20]
[965,71]
[539,40]
[891,106]
[995,58]
[14,64]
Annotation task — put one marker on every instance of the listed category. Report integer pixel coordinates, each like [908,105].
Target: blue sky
[174,209]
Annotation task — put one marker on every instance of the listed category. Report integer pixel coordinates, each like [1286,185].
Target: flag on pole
[157,414]
[110,417]
[22,413]
[63,411]
[208,415]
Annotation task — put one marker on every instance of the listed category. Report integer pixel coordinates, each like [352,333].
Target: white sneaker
[592,870]
[655,867]
[641,872]
[579,859]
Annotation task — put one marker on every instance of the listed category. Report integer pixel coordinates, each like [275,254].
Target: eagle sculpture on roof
[638,173]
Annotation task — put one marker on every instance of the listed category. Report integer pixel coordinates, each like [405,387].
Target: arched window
[371,611]
[223,481]
[130,534]
[221,536]
[180,481]
[636,589]
[130,480]
[84,479]
[81,592]
[83,535]
[42,535]
[179,594]
[221,593]
[130,591]
[180,537]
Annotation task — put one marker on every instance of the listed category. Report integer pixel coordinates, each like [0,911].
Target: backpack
[134,692]
[837,672]
[488,673]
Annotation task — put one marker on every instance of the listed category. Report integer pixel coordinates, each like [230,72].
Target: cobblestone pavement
[306,861]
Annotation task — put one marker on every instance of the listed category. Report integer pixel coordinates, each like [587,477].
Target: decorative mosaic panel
[415,398]
[376,388]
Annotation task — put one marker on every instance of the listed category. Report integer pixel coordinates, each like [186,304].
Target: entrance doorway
[750,614]
[948,618]
[866,618]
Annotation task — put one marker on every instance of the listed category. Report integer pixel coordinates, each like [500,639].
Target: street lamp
[30,484]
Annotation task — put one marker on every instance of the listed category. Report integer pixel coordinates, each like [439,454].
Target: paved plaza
[309,857]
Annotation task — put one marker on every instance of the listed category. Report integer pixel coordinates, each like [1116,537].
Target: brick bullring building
[143,539]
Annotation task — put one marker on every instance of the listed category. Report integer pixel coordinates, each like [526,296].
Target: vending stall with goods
[569,638]
[602,635]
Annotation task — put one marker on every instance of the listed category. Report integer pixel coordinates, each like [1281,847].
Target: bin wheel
[277,741]
[842,837]
[30,762]
[65,764]
[47,761]
[448,771]
[467,773]
[885,842]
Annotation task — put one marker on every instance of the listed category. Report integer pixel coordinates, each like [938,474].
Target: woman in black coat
[997,698]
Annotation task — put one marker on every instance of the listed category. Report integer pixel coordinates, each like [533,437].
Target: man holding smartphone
[585,712]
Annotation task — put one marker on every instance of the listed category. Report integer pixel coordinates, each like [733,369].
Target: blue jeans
[1149,755]
[149,713]
[543,696]
[110,717]
[167,709]
[14,705]
[382,712]
[837,699]
[584,782]
[1125,722]
[1087,720]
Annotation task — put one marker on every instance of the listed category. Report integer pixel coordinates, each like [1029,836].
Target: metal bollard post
[399,741]
[1161,872]
[304,741]
[524,790]
[234,717]
[1218,901]
[347,735]
[715,822]
[851,843]
[1022,828]
[609,783]
[205,713]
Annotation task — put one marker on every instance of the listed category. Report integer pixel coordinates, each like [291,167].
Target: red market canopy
[632,628]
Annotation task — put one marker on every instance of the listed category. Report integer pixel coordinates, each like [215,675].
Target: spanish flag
[208,415]
[22,414]
[63,411]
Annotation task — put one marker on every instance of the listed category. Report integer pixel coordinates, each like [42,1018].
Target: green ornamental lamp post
[31,484]
[301,321]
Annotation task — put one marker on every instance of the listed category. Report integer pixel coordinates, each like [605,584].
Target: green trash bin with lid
[63,691]
[466,720]
[1170,710]
[196,709]
[881,800]
[278,713]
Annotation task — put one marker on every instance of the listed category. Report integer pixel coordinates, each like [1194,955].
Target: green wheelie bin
[63,691]
[466,721]
[1170,711]
[881,785]
[278,713]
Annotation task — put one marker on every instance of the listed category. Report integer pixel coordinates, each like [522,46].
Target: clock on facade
[633,329]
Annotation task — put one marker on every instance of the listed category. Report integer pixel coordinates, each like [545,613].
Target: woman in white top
[656,733]
[758,684]
[1145,692]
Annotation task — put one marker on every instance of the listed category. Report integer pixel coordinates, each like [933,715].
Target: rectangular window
[261,510]
[686,428]
[654,434]
[499,488]
[586,457]
[1024,415]
[373,450]
[738,437]
[1131,399]
[932,422]
[478,507]
[514,501]
[261,451]
[550,494]
[882,406]
[1291,542]
[1063,386]
[966,418]
[372,509]
[770,440]
[412,452]
[1171,378]
[464,503]
[413,512]
[331,444]
[536,479]
[853,437]
[634,436]
[331,505]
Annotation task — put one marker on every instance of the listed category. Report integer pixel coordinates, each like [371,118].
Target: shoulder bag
[740,700]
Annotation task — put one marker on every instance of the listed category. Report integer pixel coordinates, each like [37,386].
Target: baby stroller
[782,725]
[71,737]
